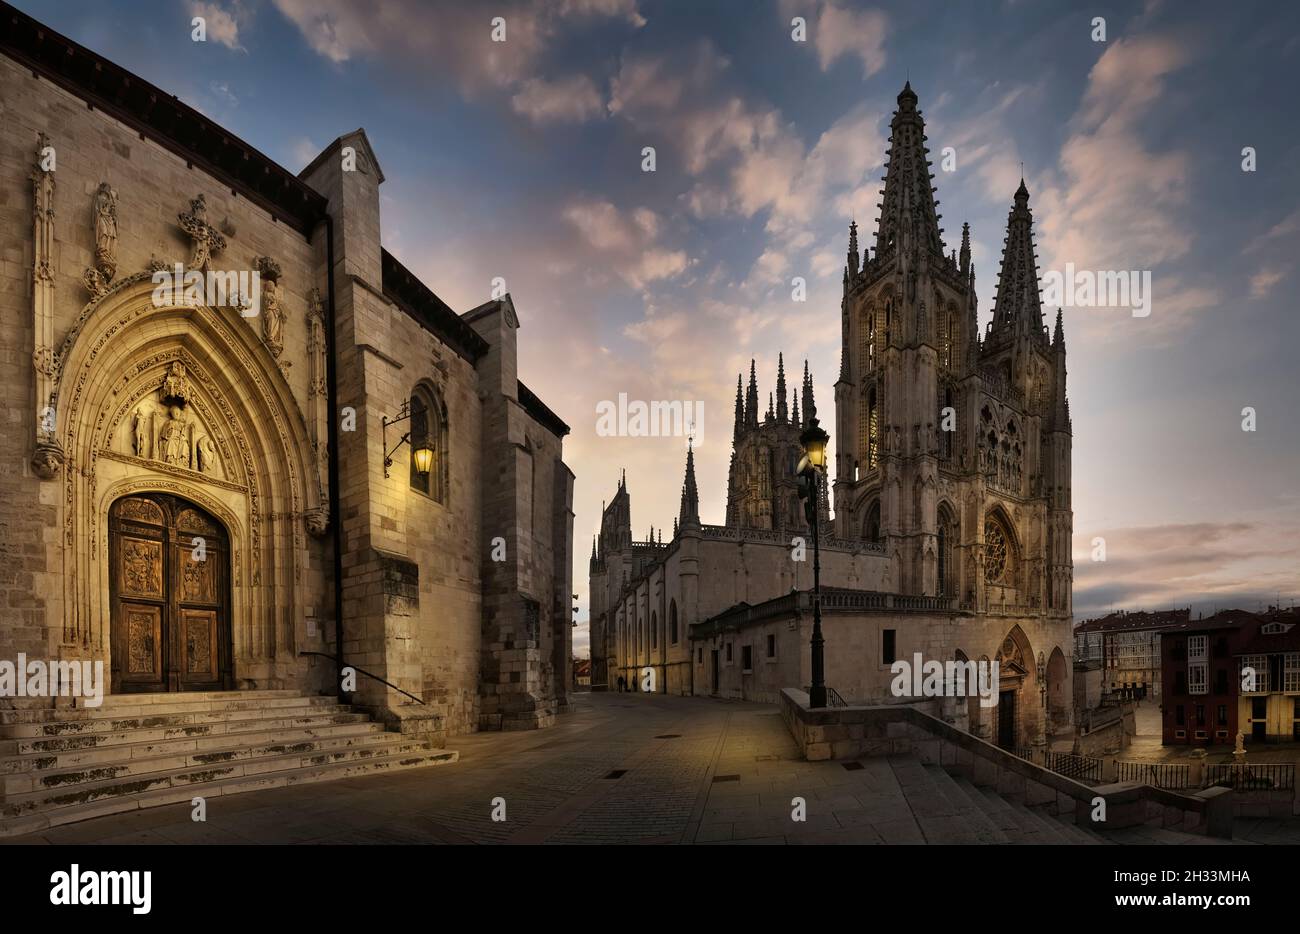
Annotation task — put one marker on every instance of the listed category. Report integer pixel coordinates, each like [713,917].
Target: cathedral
[951,525]
[244,447]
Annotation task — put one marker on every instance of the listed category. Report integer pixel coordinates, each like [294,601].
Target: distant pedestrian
[621,683]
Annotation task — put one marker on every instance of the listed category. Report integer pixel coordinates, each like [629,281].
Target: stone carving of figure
[206,453]
[106,229]
[174,439]
[176,385]
[272,318]
[143,429]
[205,238]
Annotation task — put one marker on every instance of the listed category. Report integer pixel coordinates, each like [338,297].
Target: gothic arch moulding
[184,399]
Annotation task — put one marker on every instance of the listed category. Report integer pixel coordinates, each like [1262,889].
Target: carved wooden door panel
[170,577]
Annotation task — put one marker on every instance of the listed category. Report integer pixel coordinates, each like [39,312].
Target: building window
[728,651]
[1254,674]
[1291,675]
[429,428]
[1180,718]
[887,649]
[771,646]
[747,657]
[1200,715]
[1196,648]
[1223,715]
[1196,678]
[672,622]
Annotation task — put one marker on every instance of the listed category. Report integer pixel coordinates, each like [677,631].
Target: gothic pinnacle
[751,397]
[782,413]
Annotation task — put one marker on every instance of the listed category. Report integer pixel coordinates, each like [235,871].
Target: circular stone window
[995,552]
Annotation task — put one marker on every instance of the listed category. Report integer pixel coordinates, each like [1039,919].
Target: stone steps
[950,809]
[61,766]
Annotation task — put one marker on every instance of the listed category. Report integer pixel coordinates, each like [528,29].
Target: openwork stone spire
[908,218]
[1018,310]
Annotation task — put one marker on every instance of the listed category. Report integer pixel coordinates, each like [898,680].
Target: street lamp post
[812,466]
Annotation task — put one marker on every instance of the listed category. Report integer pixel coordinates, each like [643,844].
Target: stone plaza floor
[694,770]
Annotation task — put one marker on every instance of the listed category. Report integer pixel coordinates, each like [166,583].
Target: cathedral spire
[751,398]
[853,249]
[771,412]
[782,413]
[809,404]
[1017,309]
[964,258]
[690,510]
[1058,336]
[740,412]
[794,415]
[908,218]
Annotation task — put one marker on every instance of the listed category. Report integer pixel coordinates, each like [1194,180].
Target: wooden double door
[170,592]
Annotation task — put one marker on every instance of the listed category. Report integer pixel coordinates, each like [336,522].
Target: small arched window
[429,428]
[672,622]
[871,528]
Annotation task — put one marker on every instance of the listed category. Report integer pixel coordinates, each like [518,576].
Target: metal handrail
[368,674]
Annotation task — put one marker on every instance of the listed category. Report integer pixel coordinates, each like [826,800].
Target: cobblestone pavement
[695,770]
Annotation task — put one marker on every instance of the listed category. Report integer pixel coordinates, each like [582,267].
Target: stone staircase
[144,750]
[950,809]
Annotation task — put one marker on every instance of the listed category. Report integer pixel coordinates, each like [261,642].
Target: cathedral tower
[951,454]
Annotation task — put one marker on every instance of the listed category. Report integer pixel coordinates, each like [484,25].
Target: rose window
[995,552]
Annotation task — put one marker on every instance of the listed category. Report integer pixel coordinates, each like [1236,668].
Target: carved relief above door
[169,586]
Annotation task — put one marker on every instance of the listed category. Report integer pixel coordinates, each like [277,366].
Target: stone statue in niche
[206,455]
[174,439]
[97,277]
[272,312]
[106,229]
[143,429]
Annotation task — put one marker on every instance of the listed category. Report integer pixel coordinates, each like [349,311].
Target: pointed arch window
[871,527]
[429,429]
[945,586]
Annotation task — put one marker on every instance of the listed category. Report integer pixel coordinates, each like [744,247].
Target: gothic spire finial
[689,514]
[751,397]
[740,412]
[809,403]
[782,412]
[1017,307]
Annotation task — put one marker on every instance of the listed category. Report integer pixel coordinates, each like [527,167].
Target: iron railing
[1160,774]
[368,674]
[1253,777]
[1080,768]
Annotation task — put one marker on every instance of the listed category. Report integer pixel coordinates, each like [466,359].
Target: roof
[1224,619]
[415,298]
[1124,621]
[160,116]
[844,600]
[539,411]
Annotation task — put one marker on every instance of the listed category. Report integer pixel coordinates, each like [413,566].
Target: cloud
[837,31]
[565,100]
[222,25]
[454,39]
[1262,282]
[625,243]
[1180,563]
[1120,205]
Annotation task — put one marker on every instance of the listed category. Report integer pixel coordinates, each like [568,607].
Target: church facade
[950,536]
[216,380]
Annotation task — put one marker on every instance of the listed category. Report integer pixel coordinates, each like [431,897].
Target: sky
[524,160]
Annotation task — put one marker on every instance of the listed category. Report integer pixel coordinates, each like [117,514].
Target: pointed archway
[185,400]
